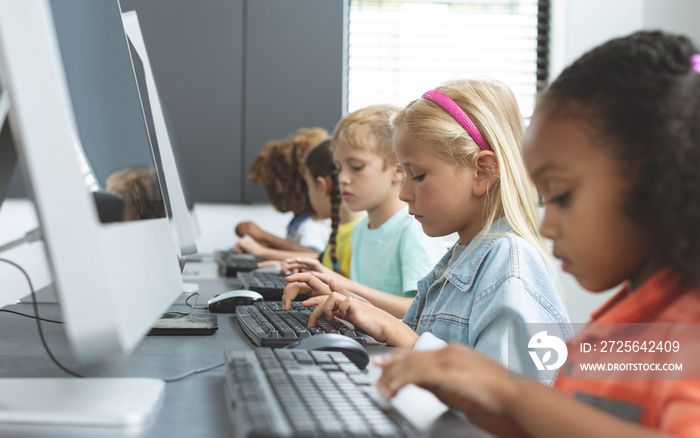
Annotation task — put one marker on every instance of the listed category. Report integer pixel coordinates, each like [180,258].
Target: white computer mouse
[228,301]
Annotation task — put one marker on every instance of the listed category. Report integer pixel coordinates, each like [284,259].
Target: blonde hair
[370,129]
[493,108]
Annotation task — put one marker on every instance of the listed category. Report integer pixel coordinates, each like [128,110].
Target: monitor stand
[45,295]
[4,107]
[190,287]
[116,401]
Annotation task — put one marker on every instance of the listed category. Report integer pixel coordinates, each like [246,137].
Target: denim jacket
[475,295]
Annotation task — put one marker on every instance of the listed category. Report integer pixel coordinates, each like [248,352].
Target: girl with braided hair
[321,178]
[324,193]
[279,167]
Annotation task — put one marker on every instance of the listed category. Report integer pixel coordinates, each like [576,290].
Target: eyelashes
[561,200]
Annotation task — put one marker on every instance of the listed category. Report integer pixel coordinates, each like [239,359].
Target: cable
[38,319]
[56,361]
[31,316]
[193,372]
[192,306]
[29,237]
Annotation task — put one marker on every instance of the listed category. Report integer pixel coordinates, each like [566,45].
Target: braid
[319,163]
[335,219]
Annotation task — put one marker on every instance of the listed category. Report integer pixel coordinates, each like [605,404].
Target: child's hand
[307,264]
[377,323]
[249,229]
[304,264]
[274,263]
[302,283]
[250,246]
[459,376]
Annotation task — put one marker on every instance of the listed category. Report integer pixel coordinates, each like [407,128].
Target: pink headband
[459,115]
[695,62]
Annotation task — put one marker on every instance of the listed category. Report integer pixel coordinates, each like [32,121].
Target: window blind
[400,49]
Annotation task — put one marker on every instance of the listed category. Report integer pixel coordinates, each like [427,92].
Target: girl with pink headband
[460,146]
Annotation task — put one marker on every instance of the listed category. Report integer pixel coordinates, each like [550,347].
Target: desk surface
[193,407]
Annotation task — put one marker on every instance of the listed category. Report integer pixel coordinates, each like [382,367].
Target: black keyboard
[300,393]
[231,263]
[267,325]
[268,284]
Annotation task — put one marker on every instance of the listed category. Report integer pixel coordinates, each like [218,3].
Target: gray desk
[194,407]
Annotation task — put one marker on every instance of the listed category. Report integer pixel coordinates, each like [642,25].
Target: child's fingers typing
[325,307]
[291,291]
[302,283]
[304,264]
[316,286]
[395,375]
[275,263]
[456,374]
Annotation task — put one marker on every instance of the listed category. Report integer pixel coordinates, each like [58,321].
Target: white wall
[680,16]
[580,25]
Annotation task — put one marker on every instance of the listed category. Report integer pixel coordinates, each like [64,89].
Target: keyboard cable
[50,353]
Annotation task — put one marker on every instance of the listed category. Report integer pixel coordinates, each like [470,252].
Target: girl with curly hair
[613,147]
[279,167]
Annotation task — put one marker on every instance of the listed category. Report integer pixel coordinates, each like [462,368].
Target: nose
[343,178]
[548,225]
[405,194]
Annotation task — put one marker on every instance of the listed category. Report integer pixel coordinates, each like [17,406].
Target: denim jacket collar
[462,273]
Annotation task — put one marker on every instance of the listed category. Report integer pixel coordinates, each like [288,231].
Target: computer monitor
[159,136]
[113,280]
[8,156]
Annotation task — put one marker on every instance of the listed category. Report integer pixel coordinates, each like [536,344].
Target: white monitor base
[190,287]
[113,401]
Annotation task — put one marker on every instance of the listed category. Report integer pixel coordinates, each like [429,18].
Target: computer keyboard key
[281,328]
[277,393]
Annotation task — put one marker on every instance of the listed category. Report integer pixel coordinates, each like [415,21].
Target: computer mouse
[226,302]
[335,342]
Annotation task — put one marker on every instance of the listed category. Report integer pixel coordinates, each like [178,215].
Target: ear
[397,173]
[324,183]
[486,172]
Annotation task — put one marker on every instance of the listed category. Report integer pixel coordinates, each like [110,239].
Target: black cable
[31,316]
[38,319]
[192,306]
[59,364]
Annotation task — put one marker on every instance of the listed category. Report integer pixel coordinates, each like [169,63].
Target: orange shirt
[671,406]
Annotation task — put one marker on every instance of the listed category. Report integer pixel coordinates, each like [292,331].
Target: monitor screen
[76,120]
[78,89]
[159,135]
[112,144]
[8,157]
